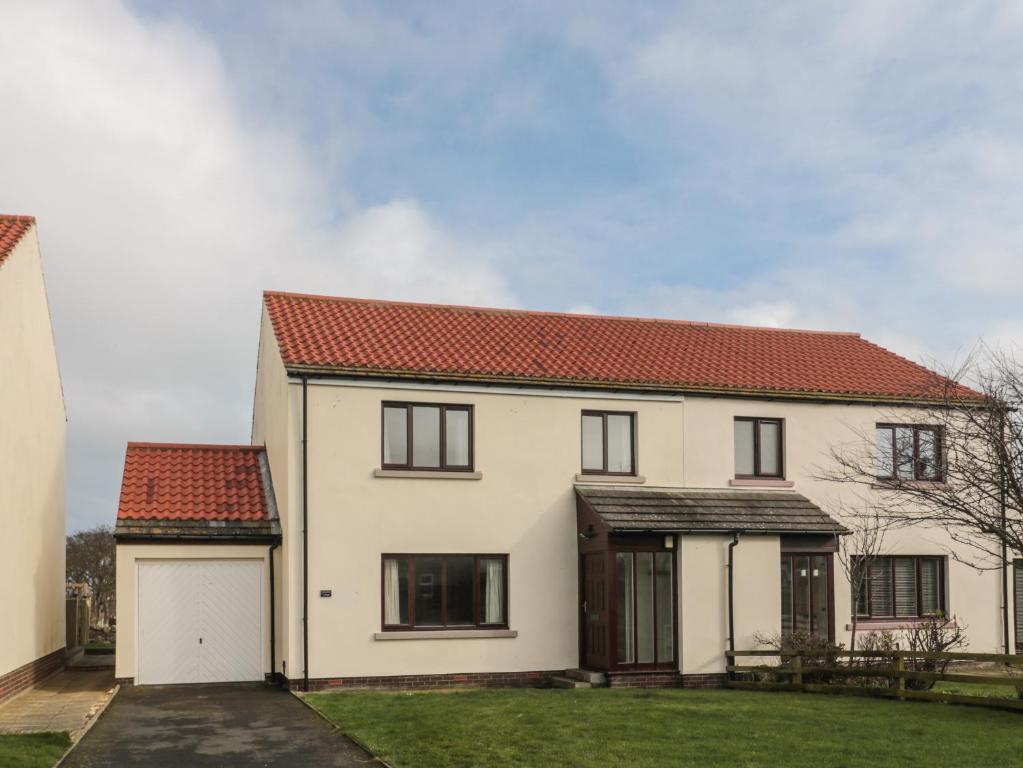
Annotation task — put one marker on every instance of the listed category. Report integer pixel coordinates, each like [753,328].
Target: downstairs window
[902,586]
[445,591]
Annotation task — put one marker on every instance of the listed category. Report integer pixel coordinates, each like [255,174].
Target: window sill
[755,482]
[445,634]
[582,477]
[885,485]
[867,625]
[427,474]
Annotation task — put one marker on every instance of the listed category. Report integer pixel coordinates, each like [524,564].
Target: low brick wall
[540,679]
[704,681]
[669,679]
[27,675]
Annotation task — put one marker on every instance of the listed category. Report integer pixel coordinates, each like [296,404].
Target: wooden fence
[76,621]
[887,671]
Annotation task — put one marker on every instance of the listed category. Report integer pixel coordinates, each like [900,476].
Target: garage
[200,621]
[198,539]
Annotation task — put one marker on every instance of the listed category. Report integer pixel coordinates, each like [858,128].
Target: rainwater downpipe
[305,535]
[273,616]
[731,597]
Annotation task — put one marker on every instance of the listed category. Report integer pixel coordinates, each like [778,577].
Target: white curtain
[493,606]
[392,593]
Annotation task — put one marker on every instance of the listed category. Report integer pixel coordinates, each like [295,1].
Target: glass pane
[930,469]
[904,452]
[770,443]
[459,585]
[645,607]
[905,586]
[396,591]
[491,591]
[456,436]
[743,447]
[428,591]
[593,442]
[821,597]
[786,595]
[930,580]
[802,590]
[626,612]
[885,451]
[425,436]
[395,436]
[665,608]
[619,443]
[1019,602]
[881,587]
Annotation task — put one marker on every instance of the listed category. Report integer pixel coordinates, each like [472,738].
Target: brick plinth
[27,675]
[540,679]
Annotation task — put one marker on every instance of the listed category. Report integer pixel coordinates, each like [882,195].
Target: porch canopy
[603,510]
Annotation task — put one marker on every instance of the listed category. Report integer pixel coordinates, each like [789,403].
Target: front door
[806,594]
[595,612]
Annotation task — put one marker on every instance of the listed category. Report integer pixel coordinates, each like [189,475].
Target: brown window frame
[410,559]
[632,443]
[444,408]
[867,576]
[757,474]
[790,555]
[917,464]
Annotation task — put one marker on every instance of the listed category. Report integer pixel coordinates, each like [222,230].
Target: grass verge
[32,750]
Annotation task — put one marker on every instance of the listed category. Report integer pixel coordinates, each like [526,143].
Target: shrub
[816,652]
[936,634]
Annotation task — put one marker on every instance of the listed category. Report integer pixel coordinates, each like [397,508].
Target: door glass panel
[459,586]
[645,607]
[802,591]
[743,448]
[456,438]
[428,591]
[770,442]
[619,443]
[665,608]
[425,436]
[786,595]
[819,581]
[395,435]
[626,608]
[593,442]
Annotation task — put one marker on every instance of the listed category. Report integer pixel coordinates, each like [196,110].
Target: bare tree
[90,560]
[857,550]
[965,477]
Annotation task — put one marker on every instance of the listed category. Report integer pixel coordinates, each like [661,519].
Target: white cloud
[164,209]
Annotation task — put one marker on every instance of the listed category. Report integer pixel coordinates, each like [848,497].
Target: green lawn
[35,750]
[658,728]
[978,689]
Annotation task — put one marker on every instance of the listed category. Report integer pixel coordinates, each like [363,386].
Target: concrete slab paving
[66,701]
[199,726]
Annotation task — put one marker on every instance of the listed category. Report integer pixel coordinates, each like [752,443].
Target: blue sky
[850,166]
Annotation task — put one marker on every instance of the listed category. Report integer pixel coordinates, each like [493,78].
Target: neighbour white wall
[128,558]
[32,465]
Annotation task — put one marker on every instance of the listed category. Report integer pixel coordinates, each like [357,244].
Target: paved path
[65,701]
[186,726]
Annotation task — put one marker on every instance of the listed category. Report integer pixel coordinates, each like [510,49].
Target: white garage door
[200,621]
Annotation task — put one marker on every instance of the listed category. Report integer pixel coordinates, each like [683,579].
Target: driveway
[179,726]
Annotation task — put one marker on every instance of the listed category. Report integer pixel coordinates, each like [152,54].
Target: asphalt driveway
[245,724]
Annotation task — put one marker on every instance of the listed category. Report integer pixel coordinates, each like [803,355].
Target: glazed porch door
[595,613]
[645,613]
[806,594]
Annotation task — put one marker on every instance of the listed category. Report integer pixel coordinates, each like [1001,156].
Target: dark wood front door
[595,613]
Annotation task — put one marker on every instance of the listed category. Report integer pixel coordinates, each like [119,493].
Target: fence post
[900,668]
[797,669]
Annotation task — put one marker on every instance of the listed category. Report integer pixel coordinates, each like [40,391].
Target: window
[425,436]
[609,443]
[758,448]
[906,452]
[445,591]
[902,587]
[646,618]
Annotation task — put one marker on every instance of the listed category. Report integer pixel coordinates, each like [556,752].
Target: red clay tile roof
[12,229]
[193,482]
[359,336]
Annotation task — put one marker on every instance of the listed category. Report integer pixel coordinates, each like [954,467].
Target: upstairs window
[609,443]
[902,587]
[758,448]
[427,436]
[908,452]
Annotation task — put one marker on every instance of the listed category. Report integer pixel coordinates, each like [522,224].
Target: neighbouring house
[33,440]
[437,495]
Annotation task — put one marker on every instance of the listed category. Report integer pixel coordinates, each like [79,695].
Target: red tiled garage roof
[194,483]
[12,229]
[359,336]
